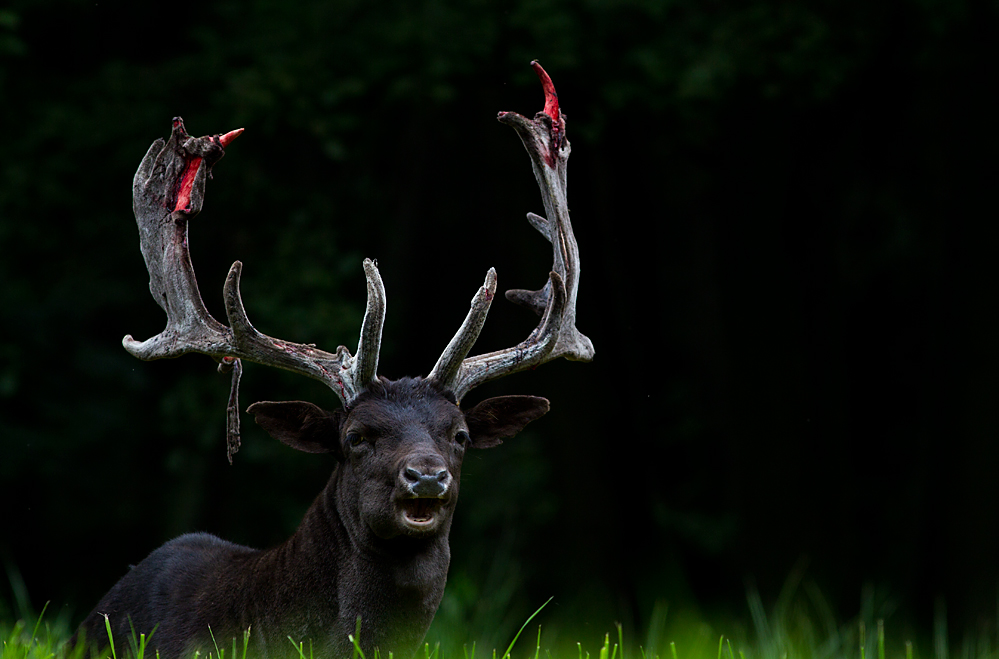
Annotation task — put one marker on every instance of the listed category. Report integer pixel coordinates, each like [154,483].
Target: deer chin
[421,515]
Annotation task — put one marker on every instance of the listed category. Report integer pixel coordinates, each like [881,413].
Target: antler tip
[227,139]
[488,289]
[371,268]
[134,347]
[551,97]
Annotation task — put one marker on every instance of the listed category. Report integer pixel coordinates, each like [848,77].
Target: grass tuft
[785,632]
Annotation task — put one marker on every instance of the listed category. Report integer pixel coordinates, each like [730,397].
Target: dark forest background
[786,219]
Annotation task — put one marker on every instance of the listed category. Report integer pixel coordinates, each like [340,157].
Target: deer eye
[355,438]
[462,437]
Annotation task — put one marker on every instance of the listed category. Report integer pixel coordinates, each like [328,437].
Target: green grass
[788,631]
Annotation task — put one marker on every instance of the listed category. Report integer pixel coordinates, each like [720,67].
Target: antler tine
[556,335]
[368,346]
[168,190]
[449,363]
[347,375]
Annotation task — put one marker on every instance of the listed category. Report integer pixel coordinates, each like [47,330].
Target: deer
[372,551]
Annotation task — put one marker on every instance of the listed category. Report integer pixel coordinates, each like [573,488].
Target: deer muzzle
[426,489]
[427,485]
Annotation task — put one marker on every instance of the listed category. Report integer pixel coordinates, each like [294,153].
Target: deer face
[402,453]
[400,449]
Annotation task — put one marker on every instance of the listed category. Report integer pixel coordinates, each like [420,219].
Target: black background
[785,216]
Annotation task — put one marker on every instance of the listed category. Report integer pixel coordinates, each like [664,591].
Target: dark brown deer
[374,544]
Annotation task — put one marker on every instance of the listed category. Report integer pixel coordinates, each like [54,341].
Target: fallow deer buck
[374,544]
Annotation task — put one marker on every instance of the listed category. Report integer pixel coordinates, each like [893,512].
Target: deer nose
[422,484]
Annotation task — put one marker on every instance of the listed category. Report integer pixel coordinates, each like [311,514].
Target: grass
[785,632]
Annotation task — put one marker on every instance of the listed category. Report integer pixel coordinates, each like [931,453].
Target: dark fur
[350,557]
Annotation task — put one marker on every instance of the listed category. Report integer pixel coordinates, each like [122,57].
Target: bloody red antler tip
[230,136]
[551,97]
[186,183]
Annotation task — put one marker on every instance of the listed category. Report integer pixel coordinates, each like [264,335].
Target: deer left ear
[503,416]
[300,425]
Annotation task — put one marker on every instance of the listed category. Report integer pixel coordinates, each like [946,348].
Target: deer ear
[504,416]
[300,425]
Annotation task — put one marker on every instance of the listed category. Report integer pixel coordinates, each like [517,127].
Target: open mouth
[421,512]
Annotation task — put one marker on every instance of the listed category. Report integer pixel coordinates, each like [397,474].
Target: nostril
[442,475]
[412,475]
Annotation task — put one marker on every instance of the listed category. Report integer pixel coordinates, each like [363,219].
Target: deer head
[399,447]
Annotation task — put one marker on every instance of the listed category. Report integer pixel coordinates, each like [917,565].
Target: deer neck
[394,586]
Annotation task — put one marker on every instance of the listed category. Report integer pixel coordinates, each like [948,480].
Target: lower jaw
[420,526]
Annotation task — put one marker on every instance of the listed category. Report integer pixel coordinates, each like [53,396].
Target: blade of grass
[940,643]
[299,647]
[522,627]
[107,625]
[133,638]
[34,632]
[214,642]
[356,641]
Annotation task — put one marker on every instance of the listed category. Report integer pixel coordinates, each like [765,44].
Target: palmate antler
[168,191]
[556,335]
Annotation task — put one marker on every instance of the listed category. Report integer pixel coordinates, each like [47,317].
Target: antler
[167,191]
[556,334]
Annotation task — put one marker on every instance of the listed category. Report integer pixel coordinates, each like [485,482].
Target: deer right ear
[300,425]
